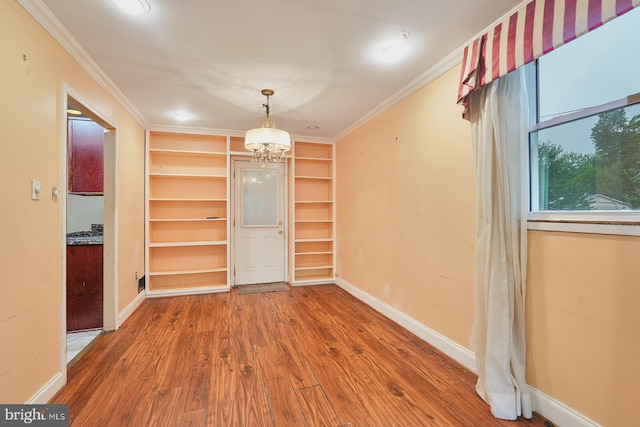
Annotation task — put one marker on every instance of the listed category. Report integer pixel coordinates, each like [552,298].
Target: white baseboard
[49,390]
[555,411]
[454,350]
[188,291]
[130,308]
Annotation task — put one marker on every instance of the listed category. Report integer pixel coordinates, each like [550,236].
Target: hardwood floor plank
[315,407]
[314,355]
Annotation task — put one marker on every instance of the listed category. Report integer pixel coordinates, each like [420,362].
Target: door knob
[280,232]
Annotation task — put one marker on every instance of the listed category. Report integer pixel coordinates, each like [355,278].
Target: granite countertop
[94,236]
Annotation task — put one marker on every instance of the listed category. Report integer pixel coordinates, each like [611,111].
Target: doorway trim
[232,215]
[110,245]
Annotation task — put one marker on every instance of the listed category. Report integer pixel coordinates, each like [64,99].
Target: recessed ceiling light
[133,7]
[74,112]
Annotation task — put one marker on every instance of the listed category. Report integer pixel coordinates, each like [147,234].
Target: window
[585,147]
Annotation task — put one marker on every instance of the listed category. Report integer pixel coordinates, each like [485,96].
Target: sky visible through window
[598,67]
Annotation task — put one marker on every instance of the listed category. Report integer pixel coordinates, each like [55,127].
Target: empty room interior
[321,213]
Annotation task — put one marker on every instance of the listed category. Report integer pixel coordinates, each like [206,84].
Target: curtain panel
[532,31]
[499,124]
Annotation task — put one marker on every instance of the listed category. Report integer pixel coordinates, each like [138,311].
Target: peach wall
[583,322]
[405,221]
[405,209]
[31,232]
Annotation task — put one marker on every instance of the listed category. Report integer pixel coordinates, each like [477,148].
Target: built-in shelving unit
[313,212]
[187,211]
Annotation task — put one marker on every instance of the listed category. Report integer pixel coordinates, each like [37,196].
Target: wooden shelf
[326,178]
[313,212]
[190,243]
[314,267]
[180,272]
[177,199]
[185,219]
[313,201]
[186,175]
[314,253]
[187,213]
[184,142]
[186,152]
[315,159]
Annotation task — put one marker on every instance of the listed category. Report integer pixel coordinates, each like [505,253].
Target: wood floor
[312,356]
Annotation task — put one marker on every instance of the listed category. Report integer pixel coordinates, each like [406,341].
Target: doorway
[259,222]
[89,212]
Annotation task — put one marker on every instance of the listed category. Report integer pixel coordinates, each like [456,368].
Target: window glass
[259,197]
[588,164]
[593,163]
[596,68]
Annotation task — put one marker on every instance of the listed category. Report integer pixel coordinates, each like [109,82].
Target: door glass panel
[259,198]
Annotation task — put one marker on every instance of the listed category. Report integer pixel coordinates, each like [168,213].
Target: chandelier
[267,143]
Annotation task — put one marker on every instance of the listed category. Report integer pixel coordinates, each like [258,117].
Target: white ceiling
[210,58]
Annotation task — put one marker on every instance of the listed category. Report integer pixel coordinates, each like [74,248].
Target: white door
[259,254]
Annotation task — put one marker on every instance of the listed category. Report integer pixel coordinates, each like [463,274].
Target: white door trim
[110,248]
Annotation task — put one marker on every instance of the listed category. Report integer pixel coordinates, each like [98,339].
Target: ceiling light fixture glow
[74,112]
[393,50]
[267,143]
[182,117]
[133,7]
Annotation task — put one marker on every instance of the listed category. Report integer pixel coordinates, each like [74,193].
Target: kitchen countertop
[92,237]
[85,240]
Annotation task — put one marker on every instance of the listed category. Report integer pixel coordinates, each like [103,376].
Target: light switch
[36,189]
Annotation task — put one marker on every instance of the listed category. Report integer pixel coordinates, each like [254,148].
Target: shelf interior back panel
[314,230]
[188,142]
[315,150]
[180,281]
[199,231]
[314,274]
[313,190]
[313,260]
[302,247]
[314,168]
[169,209]
[177,258]
[187,188]
[170,163]
[314,212]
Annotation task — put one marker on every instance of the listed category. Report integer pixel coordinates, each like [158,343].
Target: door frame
[232,215]
[110,245]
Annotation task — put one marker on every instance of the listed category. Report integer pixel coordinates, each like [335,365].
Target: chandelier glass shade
[267,143]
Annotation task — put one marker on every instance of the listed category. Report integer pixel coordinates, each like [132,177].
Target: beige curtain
[499,120]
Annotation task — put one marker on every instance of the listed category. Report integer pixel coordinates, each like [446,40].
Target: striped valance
[532,31]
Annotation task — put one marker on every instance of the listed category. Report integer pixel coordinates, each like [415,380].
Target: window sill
[621,228]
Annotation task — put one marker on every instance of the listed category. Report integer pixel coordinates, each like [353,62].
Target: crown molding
[226,132]
[41,13]
[444,65]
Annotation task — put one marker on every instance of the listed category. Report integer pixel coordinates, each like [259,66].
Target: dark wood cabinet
[84,287]
[86,156]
